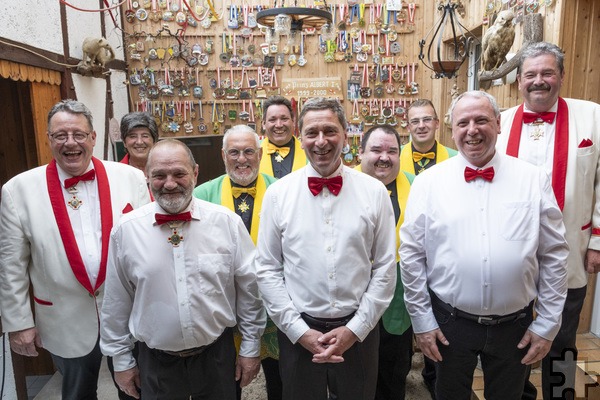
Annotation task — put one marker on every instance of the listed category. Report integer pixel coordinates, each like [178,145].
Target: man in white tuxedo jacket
[55,223]
[562,137]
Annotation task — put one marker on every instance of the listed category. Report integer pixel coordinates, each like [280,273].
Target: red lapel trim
[65,229]
[561,153]
[561,147]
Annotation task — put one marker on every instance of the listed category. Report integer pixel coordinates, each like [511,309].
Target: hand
[592,261]
[129,381]
[310,341]
[538,348]
[24,342]
[246,369]
[427,342]
[335,342]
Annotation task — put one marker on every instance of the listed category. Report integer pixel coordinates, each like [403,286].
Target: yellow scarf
[227,201]
[266,166]
[406,157]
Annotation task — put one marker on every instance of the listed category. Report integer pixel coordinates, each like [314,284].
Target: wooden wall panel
[43,97]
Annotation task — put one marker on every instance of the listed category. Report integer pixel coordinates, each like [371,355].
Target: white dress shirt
[179,297]
[85,222]
[326,255]
[538,152]
[486,248]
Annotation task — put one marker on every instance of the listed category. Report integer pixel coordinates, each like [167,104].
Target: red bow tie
[315,185]
[164,218]
[529,117]
[485,174]
[88,176]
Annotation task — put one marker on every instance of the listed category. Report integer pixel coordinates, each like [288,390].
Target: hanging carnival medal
[372,27]
[202,128]
[188,127]
[219,91]
[379,88]
[365,90]
[232,92]
[390,88]
[232,22]
[225,54]
[155,13]
[339,52]
[301,59]
[234,61]
[414,86]
[411,16]
[388,59]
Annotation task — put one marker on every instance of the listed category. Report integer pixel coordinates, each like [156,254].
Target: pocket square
[585,143]
[127,209]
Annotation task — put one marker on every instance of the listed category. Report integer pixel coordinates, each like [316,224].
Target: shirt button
[329,248]
[485,308]
[485,259]
[330,276]
[333,304]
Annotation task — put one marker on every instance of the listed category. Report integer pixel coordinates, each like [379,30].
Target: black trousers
[560,363]
[356,377]
[209,375]
[80,375]
[503,373]
[395,359]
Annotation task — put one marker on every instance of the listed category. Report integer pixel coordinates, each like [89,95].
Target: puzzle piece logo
[564,388]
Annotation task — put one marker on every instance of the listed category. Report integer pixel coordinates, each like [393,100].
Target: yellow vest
[266,165]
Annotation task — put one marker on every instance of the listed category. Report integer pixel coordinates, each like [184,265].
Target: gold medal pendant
[537,131]
[175,239]
[74,203]
[278,157]
[243,206]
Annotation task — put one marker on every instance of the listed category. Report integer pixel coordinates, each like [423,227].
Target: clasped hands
[328,347]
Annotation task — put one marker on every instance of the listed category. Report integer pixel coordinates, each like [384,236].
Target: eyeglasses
[234,154]
[62,137]
[417,121]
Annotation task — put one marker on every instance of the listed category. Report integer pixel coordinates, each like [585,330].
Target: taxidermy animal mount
[96,53]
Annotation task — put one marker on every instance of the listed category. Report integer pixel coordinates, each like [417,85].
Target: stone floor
[256,391]
[587,386]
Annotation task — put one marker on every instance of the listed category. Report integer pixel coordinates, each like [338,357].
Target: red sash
[63,222]
[561,147]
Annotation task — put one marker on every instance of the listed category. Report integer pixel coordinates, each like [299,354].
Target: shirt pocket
[518,221]
[214,273]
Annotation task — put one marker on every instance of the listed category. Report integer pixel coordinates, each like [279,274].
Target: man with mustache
[562,137]
[483,245]
[241,190]
[283,152]
[55,222]
[423,151]
[380,158]
[325,264]
[180,277]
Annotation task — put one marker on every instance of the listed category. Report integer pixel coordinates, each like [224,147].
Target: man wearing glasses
[55,222]
[423,151]
[241,190]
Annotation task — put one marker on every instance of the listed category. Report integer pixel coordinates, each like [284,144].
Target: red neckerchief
[561,147]
[63,222]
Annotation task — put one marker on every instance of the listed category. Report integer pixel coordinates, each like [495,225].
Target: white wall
[37,23]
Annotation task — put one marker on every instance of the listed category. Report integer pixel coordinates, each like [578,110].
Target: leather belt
[326,323]
[186,353]
[487,320]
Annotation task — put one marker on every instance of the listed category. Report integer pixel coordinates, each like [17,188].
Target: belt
[185,353]
[487,320]
[326,323]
